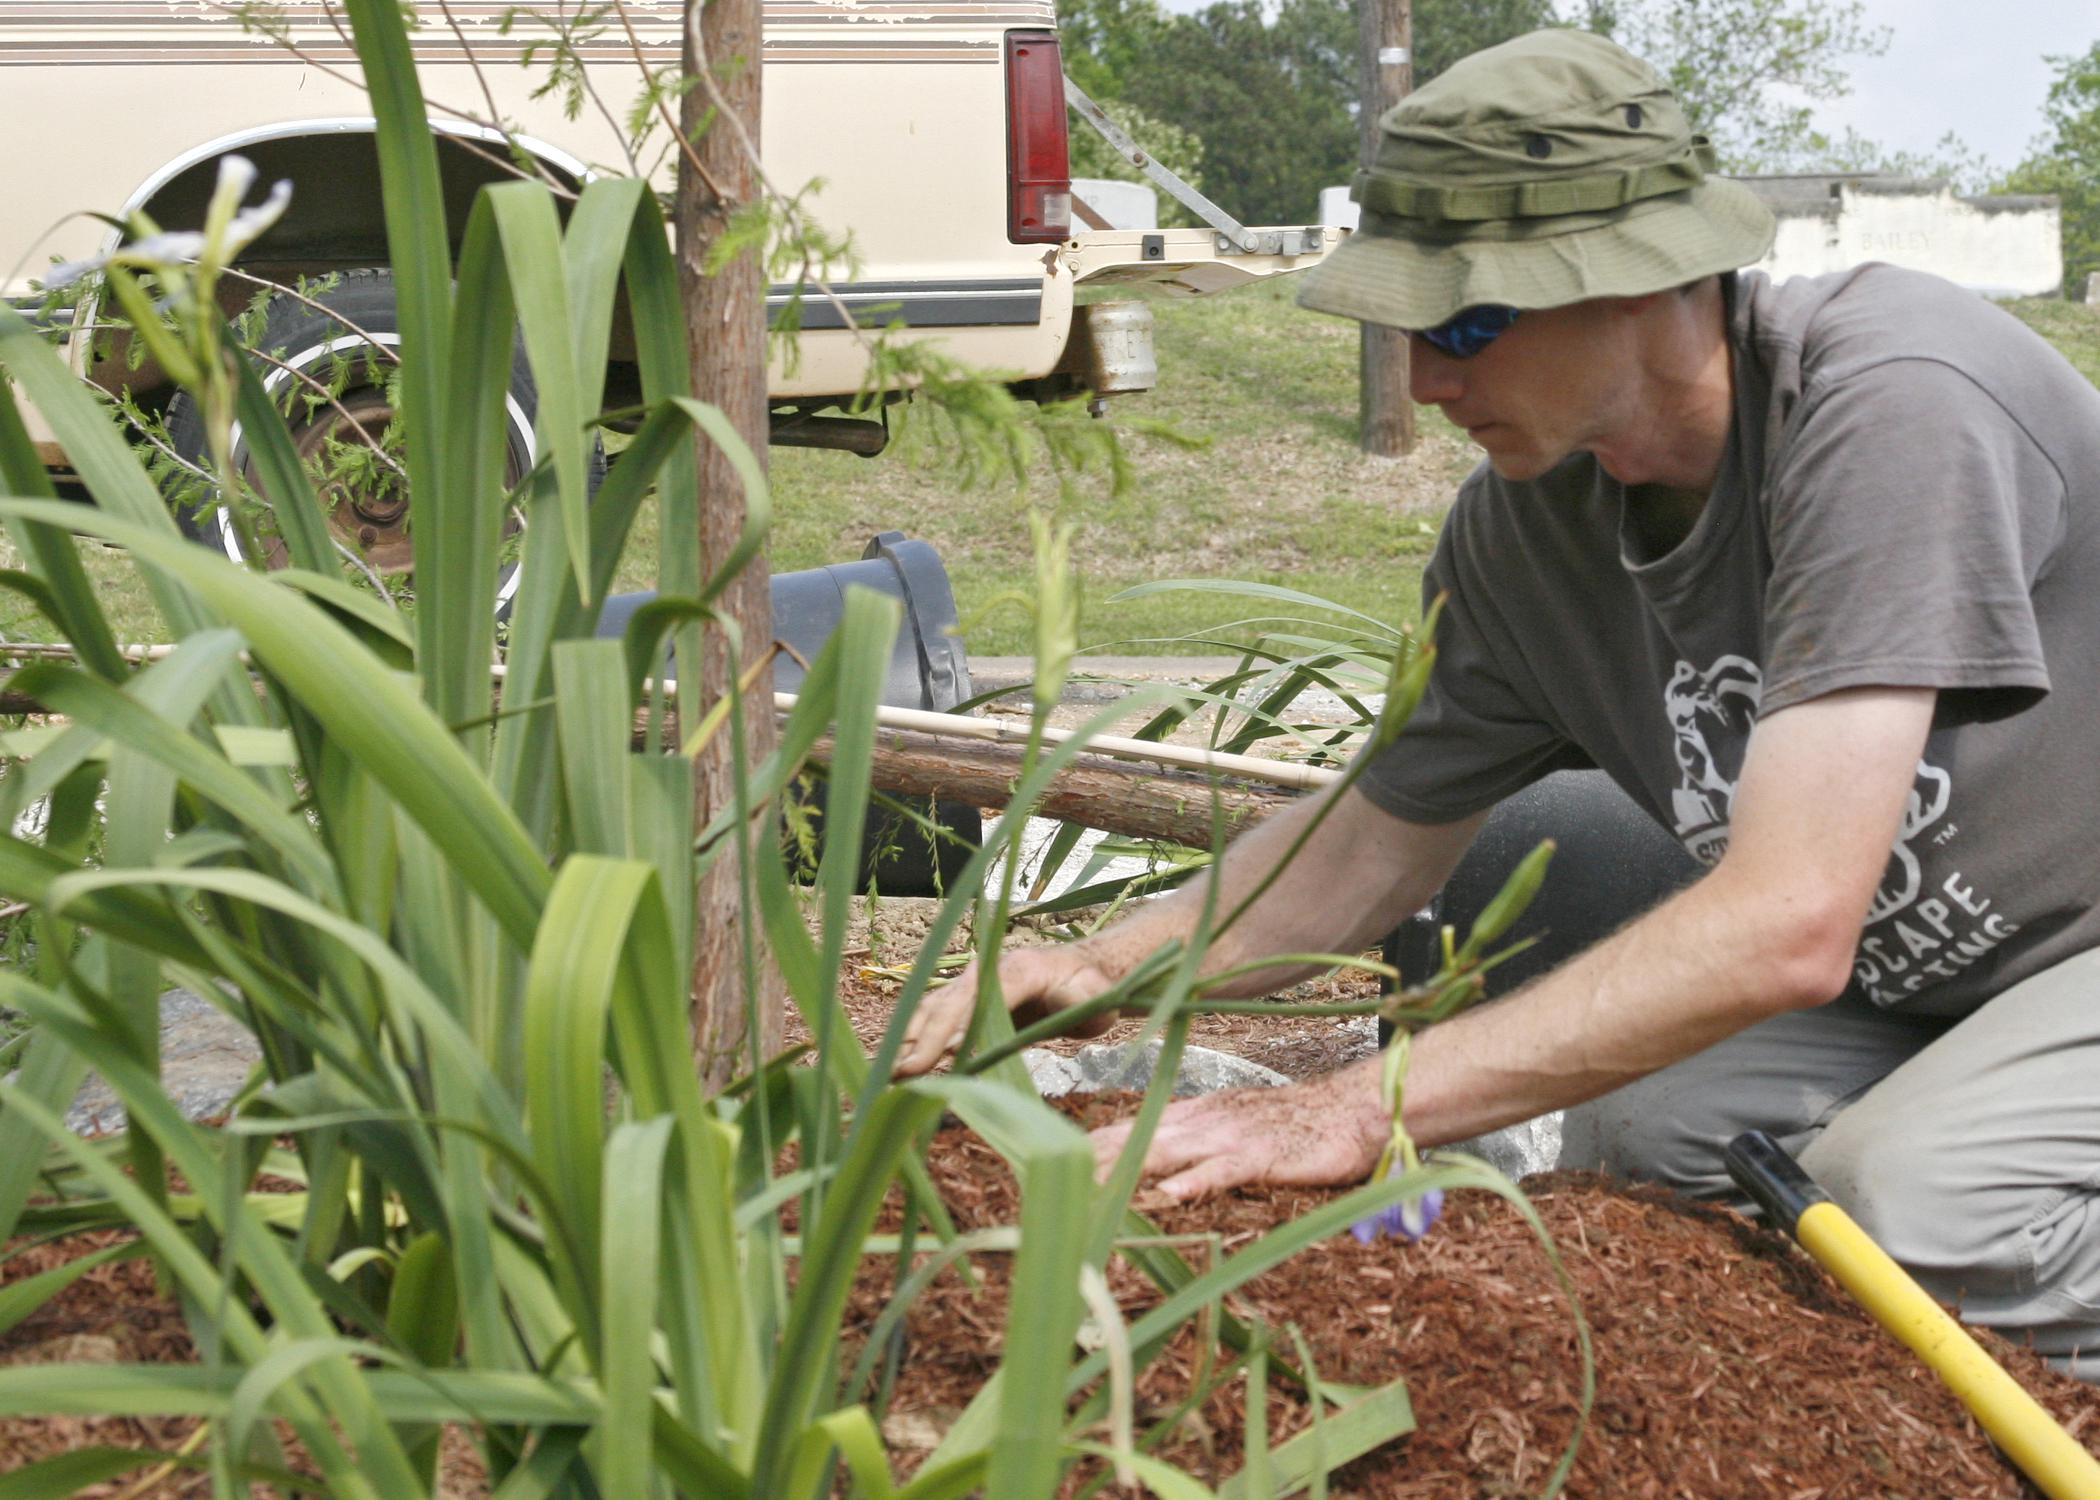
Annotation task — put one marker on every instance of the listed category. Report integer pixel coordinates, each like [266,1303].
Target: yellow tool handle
[2058,1463]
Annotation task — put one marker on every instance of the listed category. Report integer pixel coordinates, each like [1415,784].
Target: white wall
[2001,247]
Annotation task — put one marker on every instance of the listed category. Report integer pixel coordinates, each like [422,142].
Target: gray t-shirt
[1910,498]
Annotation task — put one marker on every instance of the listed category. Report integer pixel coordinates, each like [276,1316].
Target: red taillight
[1038,161]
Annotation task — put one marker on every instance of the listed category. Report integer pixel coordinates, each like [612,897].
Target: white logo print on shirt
[1711,714]
[1920,929]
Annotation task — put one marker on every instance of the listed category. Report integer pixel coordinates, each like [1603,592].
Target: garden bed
[1727,1364]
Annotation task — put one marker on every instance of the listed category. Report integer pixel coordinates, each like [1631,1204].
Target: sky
[1975,69]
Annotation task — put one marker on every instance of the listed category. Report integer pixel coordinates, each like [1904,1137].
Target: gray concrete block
[1104,1068]
[206,1057]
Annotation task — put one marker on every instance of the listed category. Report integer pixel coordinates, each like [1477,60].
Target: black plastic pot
[928,668]
[1613,863]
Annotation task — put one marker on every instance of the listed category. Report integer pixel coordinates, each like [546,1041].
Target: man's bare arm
[1773,927]
[1360,872]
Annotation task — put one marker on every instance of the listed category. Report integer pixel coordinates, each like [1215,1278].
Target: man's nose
[1432,375]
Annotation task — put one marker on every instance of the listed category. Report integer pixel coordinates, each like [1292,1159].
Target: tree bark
[1117,795]
[726,333]
[1385,414]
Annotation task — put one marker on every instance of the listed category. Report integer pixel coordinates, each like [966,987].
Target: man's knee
[1640,1134]
[1786,1076]
[1907,1202]
[1968,1229]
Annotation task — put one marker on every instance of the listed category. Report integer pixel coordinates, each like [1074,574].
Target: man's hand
[1035,982]
[1319,1133]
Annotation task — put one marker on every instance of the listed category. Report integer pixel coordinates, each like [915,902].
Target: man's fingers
[938,1024]
[1303,1134]
[1213,1174]
[1033,982]
[1187,1132]
[1108,1144]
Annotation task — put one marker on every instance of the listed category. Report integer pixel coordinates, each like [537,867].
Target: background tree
[1751,72]
[1174,148]
[2066,161]
[1271,103]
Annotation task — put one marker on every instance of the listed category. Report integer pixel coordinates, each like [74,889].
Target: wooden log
[1116,795]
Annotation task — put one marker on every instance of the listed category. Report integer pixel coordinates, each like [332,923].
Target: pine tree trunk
[725,330]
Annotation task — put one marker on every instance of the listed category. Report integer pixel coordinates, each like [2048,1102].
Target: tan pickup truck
[937,131]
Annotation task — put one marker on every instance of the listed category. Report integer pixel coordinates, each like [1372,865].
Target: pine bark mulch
[1728,1363]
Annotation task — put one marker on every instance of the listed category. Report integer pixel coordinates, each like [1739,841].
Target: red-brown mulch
[1728,1364]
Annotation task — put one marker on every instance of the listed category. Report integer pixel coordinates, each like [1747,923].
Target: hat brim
[1416,283]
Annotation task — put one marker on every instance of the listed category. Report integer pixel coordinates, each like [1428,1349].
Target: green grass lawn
[1275,493]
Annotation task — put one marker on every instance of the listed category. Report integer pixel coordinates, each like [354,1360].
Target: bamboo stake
[961,726]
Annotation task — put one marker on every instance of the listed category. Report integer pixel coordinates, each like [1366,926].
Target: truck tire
[367,504]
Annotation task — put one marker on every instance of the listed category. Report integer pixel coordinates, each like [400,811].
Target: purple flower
[1409,1219]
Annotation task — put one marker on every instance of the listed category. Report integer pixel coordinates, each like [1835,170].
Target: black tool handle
[1762,1168]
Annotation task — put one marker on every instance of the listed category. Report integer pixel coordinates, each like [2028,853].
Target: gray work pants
[1969,1150]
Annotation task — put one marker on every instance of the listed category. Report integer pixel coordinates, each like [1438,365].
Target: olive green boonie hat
[1551,169]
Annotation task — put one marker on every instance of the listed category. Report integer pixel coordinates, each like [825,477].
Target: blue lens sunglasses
[1469,330]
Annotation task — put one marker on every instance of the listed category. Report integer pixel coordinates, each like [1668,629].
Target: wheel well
[336,218]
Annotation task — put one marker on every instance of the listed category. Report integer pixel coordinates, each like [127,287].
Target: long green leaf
[947,1481]
[1158,1476]
[99,454]
[421,263]
[281,1367]
[533,254]
[830,1256]
[175,687]
[70,1473]
[545,1469]
[363,707]
[1055,1165]
[591,714]
[51,1074]
[125,720]
[657,316]
[197,1275]
[606,953]
[1341,1437]
[202,1391]
[282,477]
[21,1298]
[631,1250]
[568,998]
[50,552]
